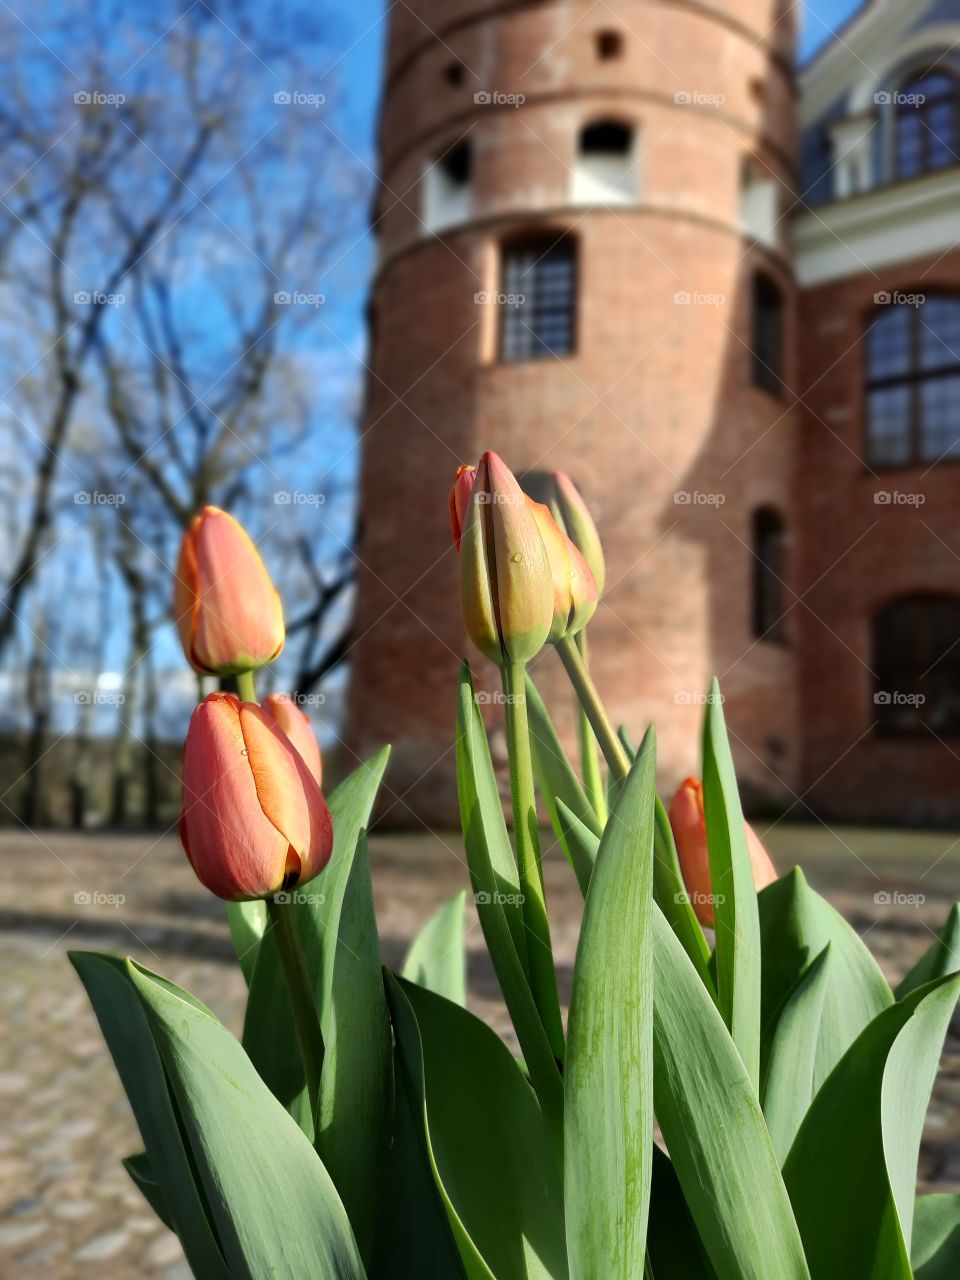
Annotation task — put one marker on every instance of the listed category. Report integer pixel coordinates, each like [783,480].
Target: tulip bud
[460,501]
[576,521]
[254,818]
[295,724]
[574,588]
[506,587]
[690,833]
[227,609]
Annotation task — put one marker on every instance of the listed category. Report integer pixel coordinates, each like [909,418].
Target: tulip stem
[590,763]
[543,976]
[246,686]
[586,691]
[302,1001]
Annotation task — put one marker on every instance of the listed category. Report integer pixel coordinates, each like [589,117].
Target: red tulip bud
[460,501]
[574,588]
[227,609]
[577,523]
[295,724]
[254,818]
[506,587]
[690,833]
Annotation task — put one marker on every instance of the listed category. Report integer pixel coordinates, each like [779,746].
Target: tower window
[917,663]
[448,194]
[913,382]
[609,45]
[759,200]
[453,73]
[539,298]
[605,170]
[769,573]
[928,123]
[767,326]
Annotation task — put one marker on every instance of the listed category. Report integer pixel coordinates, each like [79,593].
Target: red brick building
[628,241]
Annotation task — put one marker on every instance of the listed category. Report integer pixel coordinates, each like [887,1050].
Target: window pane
[940,333]
[543,275]
[888,346]
[888,426]
[940,408]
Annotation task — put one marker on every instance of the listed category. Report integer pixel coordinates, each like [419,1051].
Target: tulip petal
[294,723]
[233,847]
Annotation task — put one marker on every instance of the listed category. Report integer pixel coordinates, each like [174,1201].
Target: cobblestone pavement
[67,1208]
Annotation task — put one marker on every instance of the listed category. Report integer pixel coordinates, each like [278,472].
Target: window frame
[925,168]
[548,242]
[913,381]
[885,680]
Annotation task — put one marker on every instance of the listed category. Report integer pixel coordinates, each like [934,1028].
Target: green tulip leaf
[132,1045]
[671,896]
[608,1087]
[141,1174]
[940,958]
[935,1254]
[275,1208]
[735,896]
[788,1087]
[863,1132]
[673,1246]
[248,923]
[437,957]
[580,844]
[493,874]
[714,1129]
[795,925]
[488,1142]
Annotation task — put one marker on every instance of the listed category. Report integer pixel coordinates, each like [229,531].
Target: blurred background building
[630,241]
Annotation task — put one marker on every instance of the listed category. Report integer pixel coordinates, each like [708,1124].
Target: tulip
[575,519]
[227,609]
[460,501]
[298,729]
[506,587]
[254,818]
[690,833]
[574,587]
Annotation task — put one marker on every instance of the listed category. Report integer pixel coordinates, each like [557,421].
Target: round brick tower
[584,265]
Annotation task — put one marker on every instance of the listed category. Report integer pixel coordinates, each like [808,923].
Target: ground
[67,1208]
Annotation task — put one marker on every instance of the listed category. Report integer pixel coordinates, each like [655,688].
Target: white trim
[928,40]
[883,229]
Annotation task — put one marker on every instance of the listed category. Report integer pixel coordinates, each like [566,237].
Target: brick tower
[584,265]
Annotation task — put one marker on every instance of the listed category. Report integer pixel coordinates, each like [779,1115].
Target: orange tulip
[506,587]
[690,833]
[254,818]
[460,501]
[227,609]
[576,521]
[295,724]
[574,587]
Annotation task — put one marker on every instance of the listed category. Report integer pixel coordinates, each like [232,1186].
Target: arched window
[538,297]
[769,573]
[913,381]
[767,327]
[759,200]
[448,193]
[916,659]
[605,170]
[928,123]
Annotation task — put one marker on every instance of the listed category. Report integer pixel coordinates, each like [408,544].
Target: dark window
[606,138]
[456,163]
[769,573]
[913,382]
[609,45]
[767,333]
[539,296]
[916,659]
[928,123]
[453,73]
